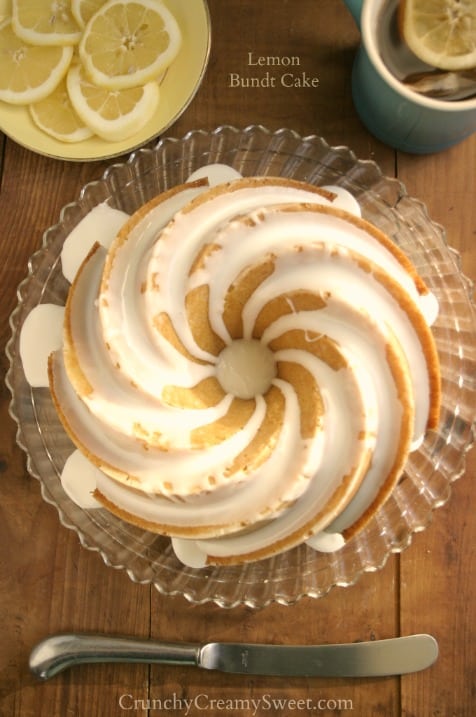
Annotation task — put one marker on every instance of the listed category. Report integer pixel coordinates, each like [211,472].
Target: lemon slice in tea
[441,33]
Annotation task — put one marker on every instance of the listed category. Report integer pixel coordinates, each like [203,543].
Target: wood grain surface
[49,583]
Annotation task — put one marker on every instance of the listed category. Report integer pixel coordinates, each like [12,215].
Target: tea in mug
[406,67]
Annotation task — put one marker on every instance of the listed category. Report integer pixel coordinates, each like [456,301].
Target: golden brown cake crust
[208,393]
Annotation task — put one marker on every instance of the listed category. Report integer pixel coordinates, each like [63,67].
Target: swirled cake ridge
[247,365]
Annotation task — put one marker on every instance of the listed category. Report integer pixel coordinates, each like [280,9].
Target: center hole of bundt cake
[246,368]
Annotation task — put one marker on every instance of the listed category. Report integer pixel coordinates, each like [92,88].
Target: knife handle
[58,652]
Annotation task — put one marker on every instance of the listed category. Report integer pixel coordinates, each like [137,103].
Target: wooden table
[49,583]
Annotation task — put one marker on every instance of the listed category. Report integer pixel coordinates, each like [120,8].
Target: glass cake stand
[426,483]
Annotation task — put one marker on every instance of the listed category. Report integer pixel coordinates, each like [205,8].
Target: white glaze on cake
[189,553]
[41,334]
[100,226]
[325,542]
[245,368]
[79,478]
[126,383]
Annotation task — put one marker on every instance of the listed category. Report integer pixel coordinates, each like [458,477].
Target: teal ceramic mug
[395,114]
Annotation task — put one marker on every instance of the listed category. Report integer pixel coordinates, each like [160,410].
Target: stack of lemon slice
[87,67]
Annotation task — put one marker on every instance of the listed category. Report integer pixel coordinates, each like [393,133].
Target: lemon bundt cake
[248,366]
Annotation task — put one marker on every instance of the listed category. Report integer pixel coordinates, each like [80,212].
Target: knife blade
[393,656]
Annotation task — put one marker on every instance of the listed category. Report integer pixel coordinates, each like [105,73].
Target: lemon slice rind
[45,22]
[100,109]
[115,58]
[83,10]
[56,116]
[29,73]
[441,33]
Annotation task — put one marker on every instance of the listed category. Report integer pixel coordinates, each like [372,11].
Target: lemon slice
[114,115]
[442,33]
[45,22]
[56,116]
[83,10]
[28,73]
[129,42]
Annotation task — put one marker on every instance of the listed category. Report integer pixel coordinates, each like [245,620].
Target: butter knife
[395,656]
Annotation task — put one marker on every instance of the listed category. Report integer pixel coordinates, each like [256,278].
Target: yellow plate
[178,88]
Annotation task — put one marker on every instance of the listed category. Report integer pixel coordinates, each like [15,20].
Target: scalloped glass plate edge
[311,159]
